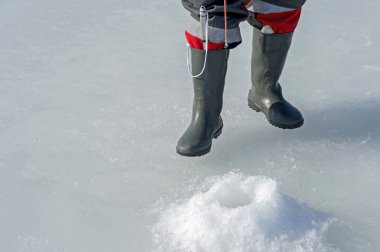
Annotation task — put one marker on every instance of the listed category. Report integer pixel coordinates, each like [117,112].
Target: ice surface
[239,213]
[95,94]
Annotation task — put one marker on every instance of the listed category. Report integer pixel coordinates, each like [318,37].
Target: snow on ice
[241,213]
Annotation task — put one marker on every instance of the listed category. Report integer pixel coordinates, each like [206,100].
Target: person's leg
[270,45]
[206,122]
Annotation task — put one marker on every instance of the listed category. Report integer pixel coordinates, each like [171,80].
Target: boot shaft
[209,87]
[269,52]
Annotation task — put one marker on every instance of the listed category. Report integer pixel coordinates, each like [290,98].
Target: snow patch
[241,213]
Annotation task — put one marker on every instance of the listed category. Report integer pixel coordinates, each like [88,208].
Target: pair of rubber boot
[269,53]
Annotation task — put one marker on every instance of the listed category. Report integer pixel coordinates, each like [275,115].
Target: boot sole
[282,126]
[253,106]
[205,151]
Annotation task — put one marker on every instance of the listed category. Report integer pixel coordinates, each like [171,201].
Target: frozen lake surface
[95,94]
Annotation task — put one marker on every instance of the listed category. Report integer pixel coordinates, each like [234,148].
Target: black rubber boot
[206,122]
[269,53]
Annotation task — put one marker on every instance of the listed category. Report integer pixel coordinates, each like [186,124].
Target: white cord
[189,68]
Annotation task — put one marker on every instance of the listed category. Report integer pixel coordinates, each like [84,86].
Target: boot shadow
[354,121]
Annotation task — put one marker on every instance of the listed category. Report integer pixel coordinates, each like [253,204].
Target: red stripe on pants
[281,22]
[197,43]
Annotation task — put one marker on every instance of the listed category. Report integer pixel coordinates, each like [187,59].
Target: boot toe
[284,115]
[192,151]
[187,146]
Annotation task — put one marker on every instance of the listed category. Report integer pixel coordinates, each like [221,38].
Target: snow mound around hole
[241,213]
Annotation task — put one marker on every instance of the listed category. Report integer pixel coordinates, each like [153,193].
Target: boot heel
[253,106]
[218,132]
